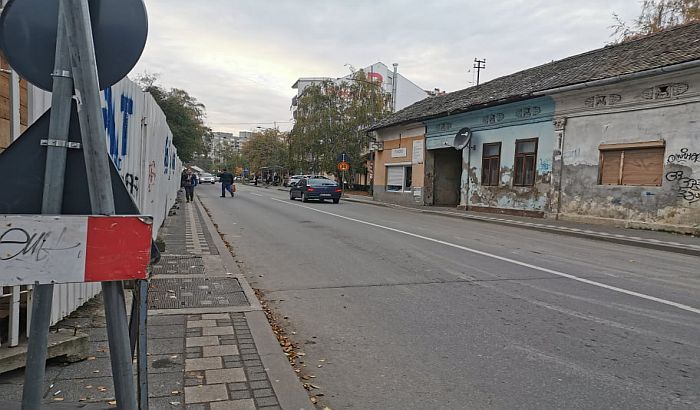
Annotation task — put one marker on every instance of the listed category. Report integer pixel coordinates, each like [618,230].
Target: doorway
[448,177]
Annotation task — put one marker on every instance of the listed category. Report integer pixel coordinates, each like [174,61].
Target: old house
[608,136]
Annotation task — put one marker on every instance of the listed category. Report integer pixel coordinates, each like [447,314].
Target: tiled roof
[674,46]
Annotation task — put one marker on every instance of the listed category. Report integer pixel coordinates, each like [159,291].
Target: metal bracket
[60,143]
[61,73]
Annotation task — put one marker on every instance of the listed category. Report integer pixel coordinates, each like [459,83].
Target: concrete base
[507,211]
[7,405]
[622,223]
[65,342]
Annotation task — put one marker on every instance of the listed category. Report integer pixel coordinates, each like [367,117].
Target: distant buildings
[403,92]
[223,141]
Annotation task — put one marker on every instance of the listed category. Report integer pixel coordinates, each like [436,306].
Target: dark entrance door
[448,176]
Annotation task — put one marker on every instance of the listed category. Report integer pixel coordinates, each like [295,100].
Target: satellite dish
[462,138]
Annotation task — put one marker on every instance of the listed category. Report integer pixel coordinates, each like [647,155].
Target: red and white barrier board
[66,248]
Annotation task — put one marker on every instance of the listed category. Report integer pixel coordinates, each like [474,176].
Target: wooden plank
[610,167]
[643,167]
[633,145]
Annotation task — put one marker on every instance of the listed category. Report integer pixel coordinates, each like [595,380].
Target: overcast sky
[241,57]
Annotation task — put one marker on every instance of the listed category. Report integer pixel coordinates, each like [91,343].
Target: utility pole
[394,86]
[478,66]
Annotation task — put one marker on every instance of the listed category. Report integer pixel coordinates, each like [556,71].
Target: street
[400,310]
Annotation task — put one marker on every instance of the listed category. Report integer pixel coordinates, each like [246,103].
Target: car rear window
[322,182]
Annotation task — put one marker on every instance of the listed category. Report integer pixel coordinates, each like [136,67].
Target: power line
[250,123]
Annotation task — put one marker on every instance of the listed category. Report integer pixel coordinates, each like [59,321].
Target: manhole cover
[179,265]
[195,293]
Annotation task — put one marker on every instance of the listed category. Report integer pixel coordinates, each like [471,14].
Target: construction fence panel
[140,144]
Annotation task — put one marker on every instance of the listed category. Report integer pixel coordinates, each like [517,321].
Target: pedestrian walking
[227,184]
[189,180]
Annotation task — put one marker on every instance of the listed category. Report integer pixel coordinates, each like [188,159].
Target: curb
[599,236]
[289,391]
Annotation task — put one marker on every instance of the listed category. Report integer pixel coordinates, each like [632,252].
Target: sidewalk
[210,345]
[670,242]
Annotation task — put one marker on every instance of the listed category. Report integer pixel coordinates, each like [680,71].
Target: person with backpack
[226,179]
[189,180]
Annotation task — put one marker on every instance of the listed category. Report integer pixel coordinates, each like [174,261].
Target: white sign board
[70,248]
[417,157]
[398,152]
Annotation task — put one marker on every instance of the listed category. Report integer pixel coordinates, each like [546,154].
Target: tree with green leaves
[266,148]
[185,116]
[330,117]
[656,15]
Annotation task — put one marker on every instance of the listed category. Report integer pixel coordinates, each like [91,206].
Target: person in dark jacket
[226,179]
[189,180]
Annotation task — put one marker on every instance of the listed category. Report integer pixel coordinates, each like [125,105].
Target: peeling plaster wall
[633,111]
[504,123]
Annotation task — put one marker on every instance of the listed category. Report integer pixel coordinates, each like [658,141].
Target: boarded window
[631,165]
[491,164]
[610,167]
[524,164]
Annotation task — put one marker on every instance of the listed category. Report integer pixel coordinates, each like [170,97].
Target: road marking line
[504,259]
[253,193]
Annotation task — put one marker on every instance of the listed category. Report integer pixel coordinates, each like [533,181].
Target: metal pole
[87,90]
[394,86]
[142,289]
[52,201]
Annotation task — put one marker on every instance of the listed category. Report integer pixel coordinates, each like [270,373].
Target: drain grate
[179,264]
[195,293]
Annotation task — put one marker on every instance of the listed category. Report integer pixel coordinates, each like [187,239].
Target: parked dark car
[316,188]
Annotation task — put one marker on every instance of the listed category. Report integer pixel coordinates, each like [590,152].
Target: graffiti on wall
[544,166]
[166,157]
[131,182]
[117,144]
[151,175]
[688,188]
[683,156]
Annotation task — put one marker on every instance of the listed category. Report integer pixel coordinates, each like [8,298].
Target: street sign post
[63,46]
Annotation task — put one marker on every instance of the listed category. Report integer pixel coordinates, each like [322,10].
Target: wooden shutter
[643,166]
[610,167]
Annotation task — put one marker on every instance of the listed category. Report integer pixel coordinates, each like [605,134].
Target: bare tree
[655,16]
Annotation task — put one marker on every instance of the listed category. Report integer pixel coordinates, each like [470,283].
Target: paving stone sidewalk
[202,352]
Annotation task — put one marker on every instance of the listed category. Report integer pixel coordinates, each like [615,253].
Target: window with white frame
[399,178]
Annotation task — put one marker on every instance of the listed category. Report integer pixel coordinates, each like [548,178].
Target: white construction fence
[141,146]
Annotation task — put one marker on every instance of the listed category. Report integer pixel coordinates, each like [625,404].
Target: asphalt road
[411,311]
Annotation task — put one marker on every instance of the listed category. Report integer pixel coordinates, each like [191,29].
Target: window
[638,164]
[320,182]
[399,178]
[491,164]
[525,160]
[407,178]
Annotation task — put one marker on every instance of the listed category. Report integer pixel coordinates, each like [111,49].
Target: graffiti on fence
[151,175]
[116,150]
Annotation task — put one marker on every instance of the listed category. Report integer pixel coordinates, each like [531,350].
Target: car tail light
[338,190]
[310,190]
